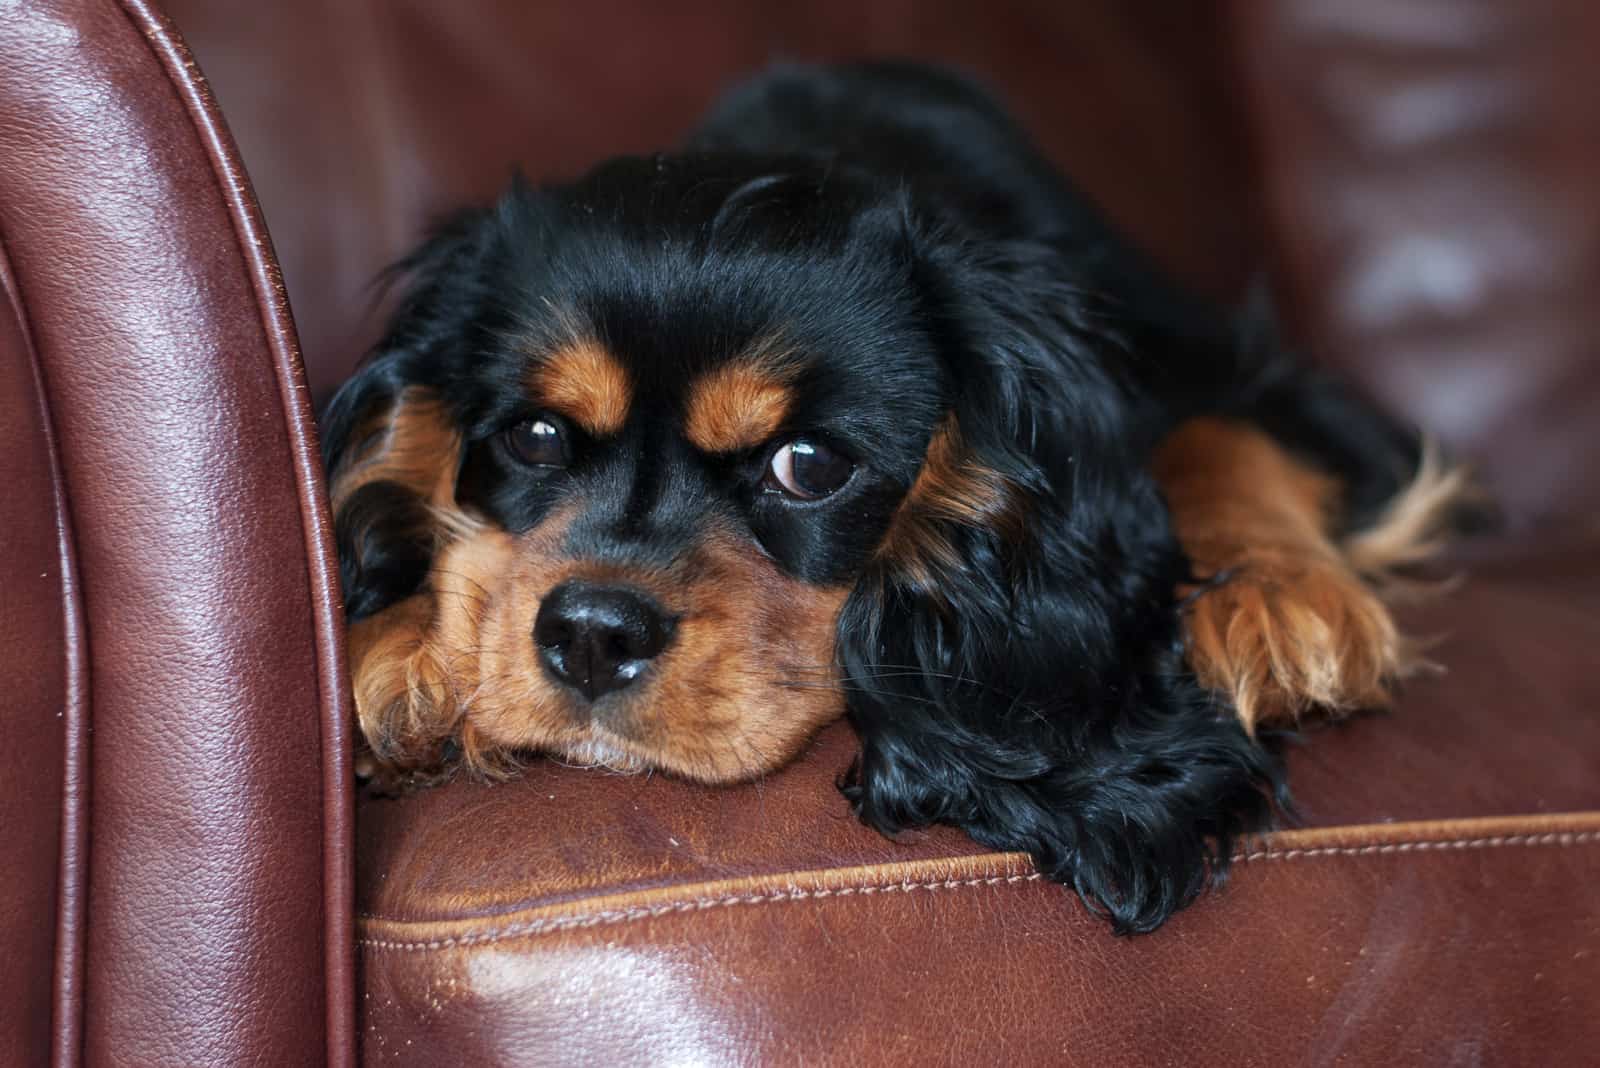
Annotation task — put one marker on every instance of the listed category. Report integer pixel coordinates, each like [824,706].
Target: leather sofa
[189,879]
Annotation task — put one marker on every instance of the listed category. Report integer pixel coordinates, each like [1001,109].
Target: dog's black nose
[597,639]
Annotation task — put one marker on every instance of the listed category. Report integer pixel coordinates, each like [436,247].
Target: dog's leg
[1288,619]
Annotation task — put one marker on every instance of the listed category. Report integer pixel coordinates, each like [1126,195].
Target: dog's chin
[599,749]
[720,757]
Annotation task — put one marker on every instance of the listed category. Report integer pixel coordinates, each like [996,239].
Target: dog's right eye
[539,442]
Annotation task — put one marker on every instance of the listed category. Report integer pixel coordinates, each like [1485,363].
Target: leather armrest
[189,861]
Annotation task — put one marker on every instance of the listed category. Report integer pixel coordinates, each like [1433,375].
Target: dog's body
[855,405]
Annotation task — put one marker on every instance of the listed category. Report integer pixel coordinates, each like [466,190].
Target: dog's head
[671,466]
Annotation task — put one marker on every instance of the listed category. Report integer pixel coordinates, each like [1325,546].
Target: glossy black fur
[898,231]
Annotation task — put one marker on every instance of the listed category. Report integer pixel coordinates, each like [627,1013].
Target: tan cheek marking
[737,406]
[585,383]
[748,680]
[950,488]
[412,443]
[513,706]
[751,676]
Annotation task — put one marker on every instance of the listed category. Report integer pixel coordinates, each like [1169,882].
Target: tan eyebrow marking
[739,405]
[584,382]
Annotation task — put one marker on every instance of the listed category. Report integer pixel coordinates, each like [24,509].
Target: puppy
[854,406]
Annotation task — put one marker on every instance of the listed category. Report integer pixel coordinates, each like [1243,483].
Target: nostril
[598,638]
[623,647]
[641,636]
[552,632]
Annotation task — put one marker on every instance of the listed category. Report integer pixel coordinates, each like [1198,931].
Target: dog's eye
[539,442]
[807,469]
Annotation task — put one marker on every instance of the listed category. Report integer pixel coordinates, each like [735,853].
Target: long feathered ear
[1012,656]
[392,486]
[388,442]
[392,451]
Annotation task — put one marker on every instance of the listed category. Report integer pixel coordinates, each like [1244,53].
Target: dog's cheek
[751,676]
[512,707]
[417,664]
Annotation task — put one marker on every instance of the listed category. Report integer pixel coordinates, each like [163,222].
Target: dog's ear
[392,485]
[392,449]
[390,445]
[1012,656]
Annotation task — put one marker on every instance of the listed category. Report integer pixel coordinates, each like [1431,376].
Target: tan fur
[405,696]
[950,488]
[1413,528]
[738,405]
[585,383]
[746,680]
[412,443]
[404,692]
[749,676]
[411,664]
[1299,622]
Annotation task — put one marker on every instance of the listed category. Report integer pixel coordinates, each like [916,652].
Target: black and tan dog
[855,407]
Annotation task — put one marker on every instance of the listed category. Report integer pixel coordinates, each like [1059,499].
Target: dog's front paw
[1284,635]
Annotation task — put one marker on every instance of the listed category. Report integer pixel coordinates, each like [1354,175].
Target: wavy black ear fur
[388,444]
[1013,658]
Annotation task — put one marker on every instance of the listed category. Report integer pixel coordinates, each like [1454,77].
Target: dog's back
[946,138]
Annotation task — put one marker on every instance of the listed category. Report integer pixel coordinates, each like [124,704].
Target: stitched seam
[617,916]
[1556,838]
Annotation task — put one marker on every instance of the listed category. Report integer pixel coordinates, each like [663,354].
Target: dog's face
[658,451]
[670,466]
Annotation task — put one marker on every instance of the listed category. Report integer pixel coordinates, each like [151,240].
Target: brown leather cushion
[576,915]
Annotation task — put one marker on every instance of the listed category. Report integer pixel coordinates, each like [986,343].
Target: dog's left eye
[807,469]
[539,442]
